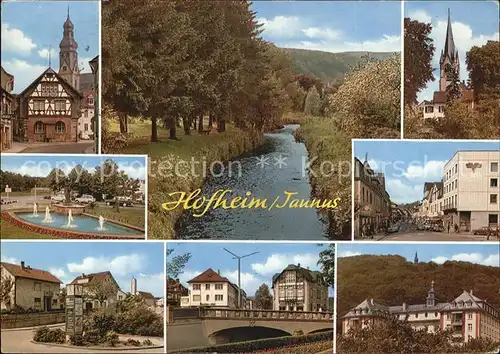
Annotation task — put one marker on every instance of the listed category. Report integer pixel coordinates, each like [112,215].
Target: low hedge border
[260,344]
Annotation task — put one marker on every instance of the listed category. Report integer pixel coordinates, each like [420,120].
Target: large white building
[467,316]
[211,289]
[299,289]
[471,189]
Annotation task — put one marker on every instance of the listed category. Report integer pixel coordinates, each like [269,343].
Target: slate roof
[30,273]
[311,275]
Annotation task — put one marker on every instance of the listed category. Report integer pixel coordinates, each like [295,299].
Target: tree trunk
[186,123]
[154,129]
[210,119]
[200,124]
[123,119]
[117,205]
[173,129]
[67,195]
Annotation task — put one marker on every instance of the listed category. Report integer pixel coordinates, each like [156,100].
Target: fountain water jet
[70,220]
[35,210]
[48,218]
[101,223]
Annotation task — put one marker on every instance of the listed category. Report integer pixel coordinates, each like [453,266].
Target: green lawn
[134,217]
[10,231]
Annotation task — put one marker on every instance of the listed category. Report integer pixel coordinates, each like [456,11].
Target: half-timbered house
[49,109]
[7,107]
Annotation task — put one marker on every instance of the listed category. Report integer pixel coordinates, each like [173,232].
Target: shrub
[102,322]
[77,340]
[147,343]
[93,336]
[132,342]
[139,320]
[298,332]
[47,335]
[111,338]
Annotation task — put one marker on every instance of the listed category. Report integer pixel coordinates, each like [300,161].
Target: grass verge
[10,231]
[135,217]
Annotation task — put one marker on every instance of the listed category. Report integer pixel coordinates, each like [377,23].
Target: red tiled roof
[439,97]
[209,276]
[30,273]
[146,295]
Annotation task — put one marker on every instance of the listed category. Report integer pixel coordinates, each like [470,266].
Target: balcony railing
[450,207]
[265,314]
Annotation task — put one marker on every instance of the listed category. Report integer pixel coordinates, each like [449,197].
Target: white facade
[431,110]
[221,294]
[85,123]
[471,189]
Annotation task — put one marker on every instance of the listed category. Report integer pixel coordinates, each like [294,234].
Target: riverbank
[330,153]
[181,165]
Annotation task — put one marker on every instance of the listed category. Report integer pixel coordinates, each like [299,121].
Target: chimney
[133,286]
[83,275]
[218,271]
[22,265]
[298,265]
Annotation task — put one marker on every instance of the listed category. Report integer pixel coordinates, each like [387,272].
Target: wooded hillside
[325,65]
[392,280]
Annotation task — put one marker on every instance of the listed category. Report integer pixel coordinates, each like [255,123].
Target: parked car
[85,199]
[437,228]
[420,227]
[122,201]
[393,228]
[481,231]
[58,198]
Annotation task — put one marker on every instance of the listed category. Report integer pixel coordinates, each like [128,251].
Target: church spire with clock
[68,55]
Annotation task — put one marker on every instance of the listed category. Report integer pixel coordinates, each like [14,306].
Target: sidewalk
[18,147]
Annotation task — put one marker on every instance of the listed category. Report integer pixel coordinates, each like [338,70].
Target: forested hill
[392,280]
[325,65]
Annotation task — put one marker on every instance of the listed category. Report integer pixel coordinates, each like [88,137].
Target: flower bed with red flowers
[11,218]
[310,344]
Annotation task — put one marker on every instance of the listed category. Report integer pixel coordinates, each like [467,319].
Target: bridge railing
[265,314]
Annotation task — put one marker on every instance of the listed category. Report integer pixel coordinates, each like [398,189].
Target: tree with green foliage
[6,285]
[327,264]
[175,265]
[312,104]
[418,52]
[483,64]
[453,91]
[263,298]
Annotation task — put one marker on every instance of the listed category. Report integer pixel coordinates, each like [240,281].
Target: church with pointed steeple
[68,55]
[449,58]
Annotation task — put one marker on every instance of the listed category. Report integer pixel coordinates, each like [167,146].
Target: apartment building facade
[300,289]
[211,289]
[471,189]
[467,316]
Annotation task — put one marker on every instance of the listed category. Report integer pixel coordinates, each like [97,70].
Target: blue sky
[255,270]
[41,165]
[438,253]
[408,164]
[473,23]
[332,26]
[67,260]
[26,40]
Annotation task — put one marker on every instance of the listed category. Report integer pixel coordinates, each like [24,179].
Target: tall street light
[239,271]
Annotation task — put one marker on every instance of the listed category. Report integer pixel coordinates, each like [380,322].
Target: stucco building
[299,289]
[471,189]
[373,203]
[7,109]
[467,316]
[211,289]
[32,288]
[92,283]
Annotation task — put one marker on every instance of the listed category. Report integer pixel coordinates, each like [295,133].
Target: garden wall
[31,319]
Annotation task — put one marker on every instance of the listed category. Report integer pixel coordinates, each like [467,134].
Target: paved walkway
[81,147]
[19,341]
[435,236]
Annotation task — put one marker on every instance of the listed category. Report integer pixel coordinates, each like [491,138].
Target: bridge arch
[326,329]
[245,333]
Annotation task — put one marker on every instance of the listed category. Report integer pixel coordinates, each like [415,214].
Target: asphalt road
[408,232]
[74,148]
[19,341]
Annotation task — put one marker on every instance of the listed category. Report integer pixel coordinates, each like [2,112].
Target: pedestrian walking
[449,227]
[488,234]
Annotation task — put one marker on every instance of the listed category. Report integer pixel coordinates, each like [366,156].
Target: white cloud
[281,26]
[492,260]
[322,33]
[249,282]
[40,168]
[386,43]
[431,170]
[121,265]
[342,254]
[8,259]
[400,192]
[15,41]
[24,73]
[83,64]
[44,53]
[135,169]
[151,283]
[277,262]
[464,38]
[420,15]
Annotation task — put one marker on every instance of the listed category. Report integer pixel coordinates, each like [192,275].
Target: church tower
[431,296]
[68,56]
[415,260]
[449,56]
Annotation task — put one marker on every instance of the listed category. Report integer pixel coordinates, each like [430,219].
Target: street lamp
[239,271]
